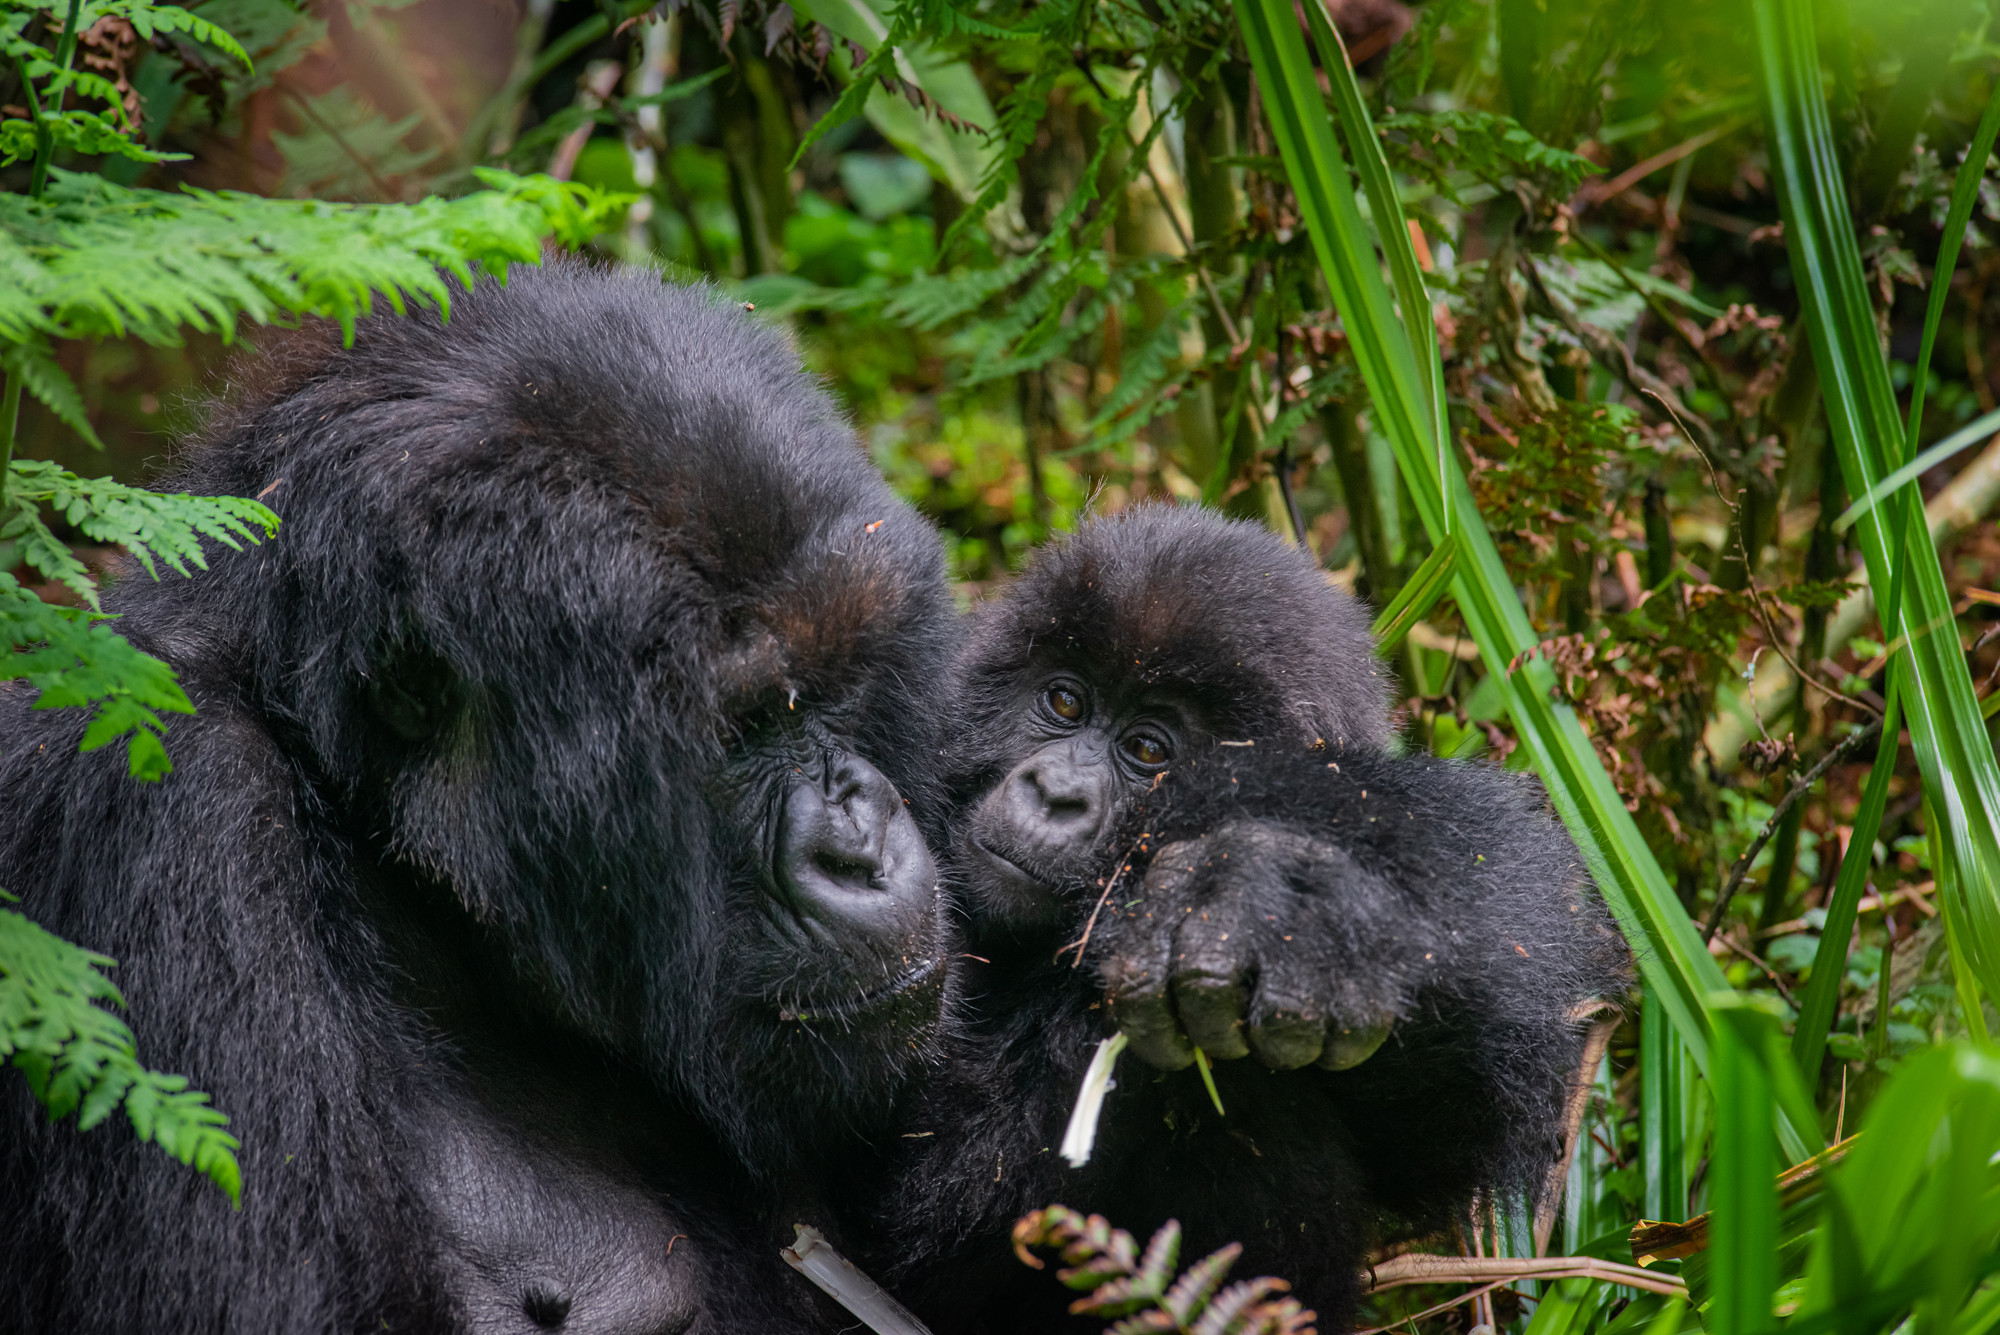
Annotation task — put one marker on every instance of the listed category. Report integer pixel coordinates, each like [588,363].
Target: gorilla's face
[1083,746]
[1124,651]
[847,930]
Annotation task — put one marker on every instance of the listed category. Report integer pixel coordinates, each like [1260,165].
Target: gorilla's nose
[852,855]
[1057,800]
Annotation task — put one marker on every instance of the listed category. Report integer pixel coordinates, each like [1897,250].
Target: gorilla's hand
[1260,937]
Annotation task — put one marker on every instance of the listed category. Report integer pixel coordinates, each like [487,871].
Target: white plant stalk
[815,1258]
[1097,1082]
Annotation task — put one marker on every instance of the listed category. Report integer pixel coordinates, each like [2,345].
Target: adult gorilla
[533,882]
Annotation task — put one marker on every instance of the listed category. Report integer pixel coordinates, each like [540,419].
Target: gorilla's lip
[1009,866]
[848,1008]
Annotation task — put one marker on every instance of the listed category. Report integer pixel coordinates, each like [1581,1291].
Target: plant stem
[10,416]
[45,140]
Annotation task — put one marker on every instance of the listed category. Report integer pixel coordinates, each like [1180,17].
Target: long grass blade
[1743,1257]
[1956,443]
[1407,407]
[1417,596]
[1830,960]
[1964,194]
[1661,1151]
[1953,752]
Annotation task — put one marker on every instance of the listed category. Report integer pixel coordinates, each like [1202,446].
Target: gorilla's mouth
[866,1006]
[1010,868]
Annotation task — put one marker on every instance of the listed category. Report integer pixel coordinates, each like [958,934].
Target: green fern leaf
[84,132]
[73,659]
[79,1057]
[44,378]
[148,19]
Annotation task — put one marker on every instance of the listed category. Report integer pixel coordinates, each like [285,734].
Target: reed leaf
[1953,752]
[1830,960]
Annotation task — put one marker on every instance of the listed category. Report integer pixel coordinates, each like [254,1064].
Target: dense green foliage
[1644,347]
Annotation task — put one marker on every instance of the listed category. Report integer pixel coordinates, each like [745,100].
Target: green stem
[473,146]
[45,140]
[10,416]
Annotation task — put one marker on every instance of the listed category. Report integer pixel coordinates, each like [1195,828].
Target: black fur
[1314,871]
[460,898]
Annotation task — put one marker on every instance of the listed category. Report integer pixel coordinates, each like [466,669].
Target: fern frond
[152,525]
[926,303]
[1145,369]
[1190,1294]
[79,1057]
[76,132]
[1236,1310]
[91,259]
[1124,1284]
[72,658]
[42,376]
[148,19]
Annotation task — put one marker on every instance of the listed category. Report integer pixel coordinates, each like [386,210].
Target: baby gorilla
[1177,816]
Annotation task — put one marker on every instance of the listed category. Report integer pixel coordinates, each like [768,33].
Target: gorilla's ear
[413,692]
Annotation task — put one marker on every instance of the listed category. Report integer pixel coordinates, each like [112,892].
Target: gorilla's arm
[1422,928]
[1308,908]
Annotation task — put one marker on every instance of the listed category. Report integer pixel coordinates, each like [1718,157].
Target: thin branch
[1470,1295]
[1756,595]
[1422,1268]
[1102,899]
[1798,790]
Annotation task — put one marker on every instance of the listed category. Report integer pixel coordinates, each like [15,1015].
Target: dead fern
[1142,1289]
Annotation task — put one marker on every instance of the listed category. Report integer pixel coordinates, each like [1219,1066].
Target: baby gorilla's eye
[1064,703]
[1147,750]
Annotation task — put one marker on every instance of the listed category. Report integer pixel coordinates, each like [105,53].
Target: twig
[1756,595]
[1757,604]
[1764,965]
[1469,1295]
[1579,1104]
[1109,886]
[1422,1268]
[1594,192]
[1285,445]
[1654,1241]
[1613,355]
[1741,867]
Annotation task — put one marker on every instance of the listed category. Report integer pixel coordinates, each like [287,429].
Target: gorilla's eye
[1147,749]
[1064,703]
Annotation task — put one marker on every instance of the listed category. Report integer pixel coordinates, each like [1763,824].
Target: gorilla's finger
[1212,1010]
[1135,980]
[1352,1044]
[1285,1039]
[1288,1005]
[1149,1022]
